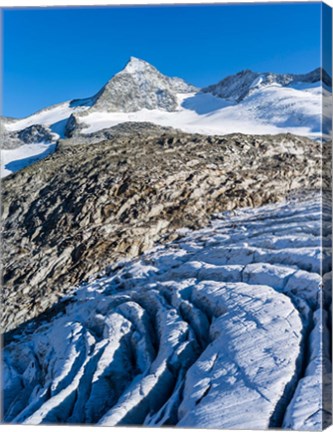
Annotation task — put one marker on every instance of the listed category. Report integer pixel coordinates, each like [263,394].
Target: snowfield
[224,328]
[272,109]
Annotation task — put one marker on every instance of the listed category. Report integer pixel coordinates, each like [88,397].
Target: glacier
[226,327]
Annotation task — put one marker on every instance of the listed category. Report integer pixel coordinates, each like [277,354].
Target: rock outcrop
[35,134]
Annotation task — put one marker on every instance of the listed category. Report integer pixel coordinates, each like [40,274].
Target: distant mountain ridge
[237,87]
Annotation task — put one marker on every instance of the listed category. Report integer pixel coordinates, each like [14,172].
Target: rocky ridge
[237,87]
[66,218]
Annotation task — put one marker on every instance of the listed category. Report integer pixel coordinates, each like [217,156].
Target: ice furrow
[317,378]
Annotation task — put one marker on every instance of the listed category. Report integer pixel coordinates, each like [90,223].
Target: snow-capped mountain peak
[142,71]
[136,65]
[140,86]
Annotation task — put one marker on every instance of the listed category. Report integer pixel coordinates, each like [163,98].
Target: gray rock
[35,134]
[140,86]
[237,87]
[125,129]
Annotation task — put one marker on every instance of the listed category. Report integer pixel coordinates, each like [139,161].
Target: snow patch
[16,159]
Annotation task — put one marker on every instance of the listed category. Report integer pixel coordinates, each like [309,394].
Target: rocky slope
[67,217]
[224,328]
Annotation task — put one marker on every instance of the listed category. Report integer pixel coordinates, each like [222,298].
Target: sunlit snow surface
[15,159]
[222,328]
[271,109]
[53,116]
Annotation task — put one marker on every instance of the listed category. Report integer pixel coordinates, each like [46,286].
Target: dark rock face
[72,126]
[35,134]
[69,216]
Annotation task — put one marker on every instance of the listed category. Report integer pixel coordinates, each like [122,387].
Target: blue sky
[55,54]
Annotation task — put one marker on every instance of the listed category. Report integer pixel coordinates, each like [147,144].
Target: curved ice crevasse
[212,330]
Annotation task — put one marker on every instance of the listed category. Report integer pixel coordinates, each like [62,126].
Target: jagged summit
[140,86]
[135,65]
[237,87]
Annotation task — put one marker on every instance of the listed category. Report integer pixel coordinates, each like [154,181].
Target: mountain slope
[273,110]
[247,102]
